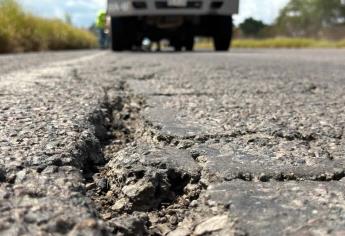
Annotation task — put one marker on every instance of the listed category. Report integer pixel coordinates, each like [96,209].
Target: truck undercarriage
[178,21]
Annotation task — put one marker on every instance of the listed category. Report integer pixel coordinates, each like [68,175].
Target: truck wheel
[222,33]
[122,34]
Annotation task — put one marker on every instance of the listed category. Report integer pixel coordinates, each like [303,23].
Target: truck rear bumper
[161,7]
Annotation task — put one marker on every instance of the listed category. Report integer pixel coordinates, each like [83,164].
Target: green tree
[251,27]
[308,17]
[68,18]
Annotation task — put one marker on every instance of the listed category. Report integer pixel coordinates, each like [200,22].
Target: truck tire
[222,33]
[122,33]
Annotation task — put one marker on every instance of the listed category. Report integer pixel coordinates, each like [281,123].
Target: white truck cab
[178,21]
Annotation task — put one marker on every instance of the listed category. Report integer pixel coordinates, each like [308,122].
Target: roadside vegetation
[23,32]
[287,43]
[278,43]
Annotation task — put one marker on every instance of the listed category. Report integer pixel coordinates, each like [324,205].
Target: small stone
[184,202]
[186,144]
[213,224]
[142,187]
[163,219]
[102,184]
[173,220]
[21,175]
[109,194]
[201,159]
[119,205]
[180,232]
[194,203]
[90,186]
[107,216]
[117,142]
[153,218]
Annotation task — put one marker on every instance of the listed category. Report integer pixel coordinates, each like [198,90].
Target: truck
[178,21]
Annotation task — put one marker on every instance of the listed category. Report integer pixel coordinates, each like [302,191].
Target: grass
[23,32]
[279,43]
[341,44]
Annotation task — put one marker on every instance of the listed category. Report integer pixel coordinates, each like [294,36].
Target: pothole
[145,187]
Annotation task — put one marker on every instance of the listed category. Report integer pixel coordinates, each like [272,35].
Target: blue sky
[83,12]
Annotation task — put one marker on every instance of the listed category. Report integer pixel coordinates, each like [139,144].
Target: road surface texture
[240,143]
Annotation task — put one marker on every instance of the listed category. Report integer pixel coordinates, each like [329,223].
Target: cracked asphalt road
[243,143]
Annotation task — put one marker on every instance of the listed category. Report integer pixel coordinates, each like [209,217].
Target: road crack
[144,187]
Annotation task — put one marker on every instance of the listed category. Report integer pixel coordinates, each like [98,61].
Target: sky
[84,12]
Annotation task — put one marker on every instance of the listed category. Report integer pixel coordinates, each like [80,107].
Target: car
[178,21]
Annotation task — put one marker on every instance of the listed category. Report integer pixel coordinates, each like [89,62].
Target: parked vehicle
[178,21]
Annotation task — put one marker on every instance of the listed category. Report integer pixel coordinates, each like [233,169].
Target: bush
[282,43]
[22,32]
[341,44]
